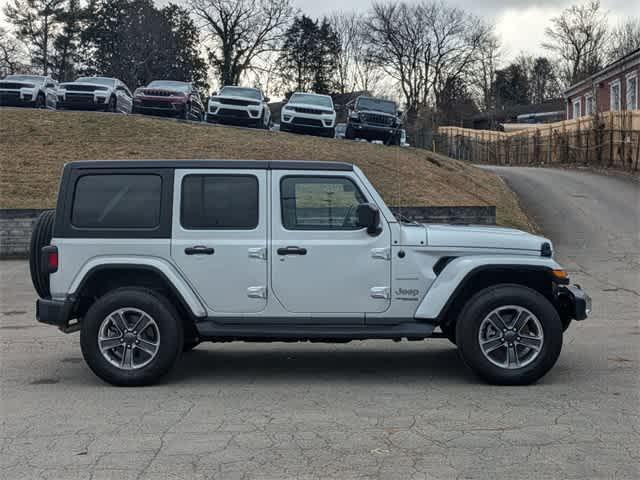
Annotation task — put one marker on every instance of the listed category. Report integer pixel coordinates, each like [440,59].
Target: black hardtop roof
[213,164]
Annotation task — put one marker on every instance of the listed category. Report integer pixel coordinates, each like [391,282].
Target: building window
[576,108]
[632,92]
[588,104]
[614,96]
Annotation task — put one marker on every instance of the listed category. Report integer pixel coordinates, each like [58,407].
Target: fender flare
[458,271]
[170,274]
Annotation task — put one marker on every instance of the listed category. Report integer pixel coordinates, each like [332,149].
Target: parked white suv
[239,106]
[36,91]
[149,258]
[95,93]
[309,113]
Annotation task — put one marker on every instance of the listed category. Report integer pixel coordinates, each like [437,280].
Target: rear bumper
[54,312]
[574,301]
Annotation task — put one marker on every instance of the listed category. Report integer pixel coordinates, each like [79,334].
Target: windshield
[181,86]
[240,92]
[25,78]
[310,99]
[386,106]
[109,82]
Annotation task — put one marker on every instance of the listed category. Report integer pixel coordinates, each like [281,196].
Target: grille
[81,88]
[311,111]
[158,93]
[79,98]
[377,119]
[12,85]
[233,101]
[233,113]
[312,122]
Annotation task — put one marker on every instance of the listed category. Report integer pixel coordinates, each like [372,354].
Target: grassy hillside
[34,145]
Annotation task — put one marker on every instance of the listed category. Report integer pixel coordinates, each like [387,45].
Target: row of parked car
[369,118]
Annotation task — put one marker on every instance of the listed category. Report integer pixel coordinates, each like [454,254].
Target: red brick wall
[602,93]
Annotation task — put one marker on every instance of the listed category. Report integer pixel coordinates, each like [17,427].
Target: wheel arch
[101,275]
[465,276]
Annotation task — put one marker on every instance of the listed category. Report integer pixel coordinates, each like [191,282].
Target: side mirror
[400,112]
[267,99]
[368,216]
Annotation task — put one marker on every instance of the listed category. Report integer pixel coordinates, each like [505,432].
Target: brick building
[614,88]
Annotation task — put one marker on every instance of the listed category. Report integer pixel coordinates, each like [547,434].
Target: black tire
[331,133]
[41,101]
[168,323]
[112,106]
[186,112]
[40,237]
[483,303]
[188,346]
[349,134]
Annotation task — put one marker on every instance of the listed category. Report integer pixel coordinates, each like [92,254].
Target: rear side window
[117,202]
[219,202]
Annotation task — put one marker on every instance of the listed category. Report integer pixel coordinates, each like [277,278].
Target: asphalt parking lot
[365,410]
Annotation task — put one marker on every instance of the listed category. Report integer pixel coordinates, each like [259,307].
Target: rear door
[219,237]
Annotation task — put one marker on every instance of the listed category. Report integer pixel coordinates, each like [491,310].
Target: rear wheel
[509,335]
[131,337]
[41,237]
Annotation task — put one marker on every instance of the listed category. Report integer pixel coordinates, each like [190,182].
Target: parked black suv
[374,119]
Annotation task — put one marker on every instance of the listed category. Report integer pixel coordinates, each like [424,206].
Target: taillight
[50,259]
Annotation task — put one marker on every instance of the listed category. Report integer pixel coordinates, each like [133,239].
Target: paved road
[370,410]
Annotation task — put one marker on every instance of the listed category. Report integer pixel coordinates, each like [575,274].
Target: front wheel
[509,335]
[112,106]
[131,337]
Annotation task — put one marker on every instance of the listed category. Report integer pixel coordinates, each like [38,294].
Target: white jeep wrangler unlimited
[148,258]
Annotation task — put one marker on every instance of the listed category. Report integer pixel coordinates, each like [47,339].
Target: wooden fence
[608,140]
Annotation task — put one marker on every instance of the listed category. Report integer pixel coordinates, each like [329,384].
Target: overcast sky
[519,23]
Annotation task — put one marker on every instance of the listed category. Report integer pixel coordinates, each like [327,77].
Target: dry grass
[34,145]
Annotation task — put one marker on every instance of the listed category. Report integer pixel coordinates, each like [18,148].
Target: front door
[220,240]
[322,262]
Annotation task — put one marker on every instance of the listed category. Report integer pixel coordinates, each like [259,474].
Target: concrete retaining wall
[16,225]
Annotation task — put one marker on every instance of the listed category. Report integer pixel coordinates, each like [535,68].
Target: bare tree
[578,37]
[12,55]
[240,31]
[488,62]
[625,38]
[36,22]
[424,47]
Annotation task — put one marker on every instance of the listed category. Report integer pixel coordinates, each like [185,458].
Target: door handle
[199,250]
[292,251]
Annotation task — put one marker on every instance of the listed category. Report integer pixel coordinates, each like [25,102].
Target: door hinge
[257,292]
[383,253]
[380,292]
[258,252]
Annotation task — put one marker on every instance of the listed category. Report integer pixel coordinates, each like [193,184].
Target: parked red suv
[169,97]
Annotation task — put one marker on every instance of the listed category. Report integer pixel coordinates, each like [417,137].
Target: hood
[469,236]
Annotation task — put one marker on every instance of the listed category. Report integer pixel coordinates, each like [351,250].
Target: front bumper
[83,101]
[16,98]
[162,105]
[373,132]
[54,312]
[574,302]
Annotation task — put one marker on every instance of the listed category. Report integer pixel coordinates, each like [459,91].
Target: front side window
[632,93]
[614,96]
[117,201]
[211,202]
[319,203]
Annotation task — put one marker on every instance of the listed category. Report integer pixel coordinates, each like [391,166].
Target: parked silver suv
[148,258]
